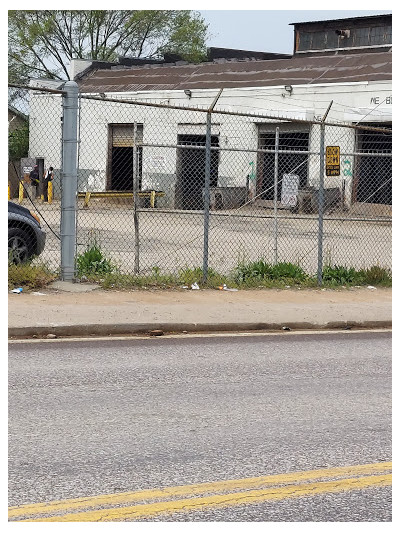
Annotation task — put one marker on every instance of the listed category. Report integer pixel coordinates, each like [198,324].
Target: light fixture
[343,34]
[188,92]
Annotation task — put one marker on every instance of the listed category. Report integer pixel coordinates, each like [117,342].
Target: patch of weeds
[29,276]
[93,262]
[288,271]
[188,276]
[257,272]
[129,281]
[377,275]
[341,275]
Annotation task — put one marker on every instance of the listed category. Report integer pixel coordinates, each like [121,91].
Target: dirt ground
[173,240]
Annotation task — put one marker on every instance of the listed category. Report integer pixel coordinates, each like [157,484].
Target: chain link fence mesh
[143,202]
[35,134]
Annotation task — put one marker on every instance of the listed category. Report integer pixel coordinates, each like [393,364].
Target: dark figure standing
[34,177]
[47,178]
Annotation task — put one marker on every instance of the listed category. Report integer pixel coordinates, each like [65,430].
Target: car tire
[19,246]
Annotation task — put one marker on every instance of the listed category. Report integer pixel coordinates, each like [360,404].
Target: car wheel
[18,246]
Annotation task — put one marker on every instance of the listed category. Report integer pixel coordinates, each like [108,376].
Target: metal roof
[296,70]
[364,18]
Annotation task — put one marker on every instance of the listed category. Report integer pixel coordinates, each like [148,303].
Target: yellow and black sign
[332,163]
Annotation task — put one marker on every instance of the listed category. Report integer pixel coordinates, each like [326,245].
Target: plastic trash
[225,288]
[39,294]
[195,287]
[17,290]
[371,287]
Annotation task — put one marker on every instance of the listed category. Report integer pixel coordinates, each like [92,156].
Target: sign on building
[290,189]
[332,161]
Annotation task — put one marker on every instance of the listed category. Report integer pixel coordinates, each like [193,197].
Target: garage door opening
[373,183]
[191,166]
[123,159]
[288,163]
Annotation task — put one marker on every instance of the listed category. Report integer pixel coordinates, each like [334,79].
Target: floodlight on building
[343,33]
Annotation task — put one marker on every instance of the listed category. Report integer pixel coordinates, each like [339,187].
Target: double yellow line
[149,503]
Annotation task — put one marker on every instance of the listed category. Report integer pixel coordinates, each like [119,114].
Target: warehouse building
[344,61]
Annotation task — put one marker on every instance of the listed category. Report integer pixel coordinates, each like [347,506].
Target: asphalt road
[103,417]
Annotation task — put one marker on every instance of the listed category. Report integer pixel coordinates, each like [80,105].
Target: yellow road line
[221,500]
[189,491]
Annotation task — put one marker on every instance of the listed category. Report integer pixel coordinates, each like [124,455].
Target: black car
[26,238]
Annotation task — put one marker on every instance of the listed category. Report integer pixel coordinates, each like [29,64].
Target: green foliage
[377,275]
[250,275]
[189,276]
[341,275]
[93,261]
[29,276]
[18,143]
[188,37]
[129,281]
[43,42]
[262,271]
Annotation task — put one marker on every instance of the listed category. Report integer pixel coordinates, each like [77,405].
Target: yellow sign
[332,162]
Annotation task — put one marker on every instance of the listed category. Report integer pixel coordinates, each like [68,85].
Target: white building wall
[45,133]
[356,102]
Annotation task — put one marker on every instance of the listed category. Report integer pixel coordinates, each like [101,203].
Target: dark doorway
[121,138]
[287,163]
[191,164]
[373,175]
[122,168]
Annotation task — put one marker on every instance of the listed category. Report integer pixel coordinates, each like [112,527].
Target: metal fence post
[276,197]
[321,201]
[207,174]
[136,200]
[207,197]
[69,180]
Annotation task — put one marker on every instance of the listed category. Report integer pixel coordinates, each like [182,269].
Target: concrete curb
[103,330]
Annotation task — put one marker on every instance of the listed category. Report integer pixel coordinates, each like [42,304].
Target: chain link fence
[35,134]
[162,188]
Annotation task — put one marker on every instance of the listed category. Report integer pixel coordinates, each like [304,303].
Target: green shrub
[262,271]
[377,275]
[256,270]
[341,275]
[93,261]
[288,271]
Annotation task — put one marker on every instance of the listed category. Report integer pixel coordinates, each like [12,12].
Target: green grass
[377,275]
[340,275]
[29,277]
[260,271]
[256,274]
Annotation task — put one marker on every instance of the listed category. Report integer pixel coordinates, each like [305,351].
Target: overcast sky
[267,30]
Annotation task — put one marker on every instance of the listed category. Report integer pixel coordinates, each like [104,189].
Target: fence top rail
[234,113]
[209,110]
[41,89]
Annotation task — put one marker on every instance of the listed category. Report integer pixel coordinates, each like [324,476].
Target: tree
[18,142]
[42,43]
